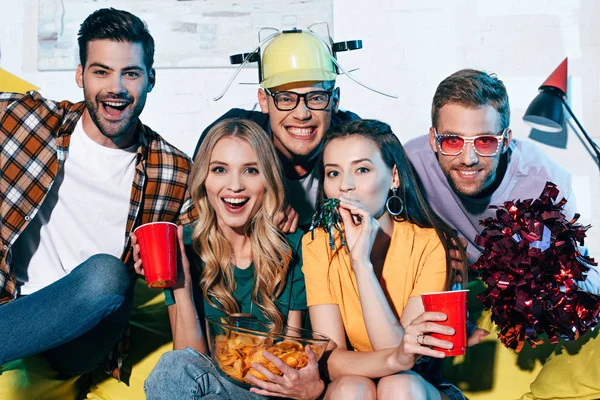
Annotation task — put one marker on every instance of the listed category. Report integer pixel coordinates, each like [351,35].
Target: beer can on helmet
[296,57]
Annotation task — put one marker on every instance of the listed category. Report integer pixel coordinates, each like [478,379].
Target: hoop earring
[394,197]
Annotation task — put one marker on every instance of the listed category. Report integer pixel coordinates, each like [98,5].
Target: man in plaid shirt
[75,181]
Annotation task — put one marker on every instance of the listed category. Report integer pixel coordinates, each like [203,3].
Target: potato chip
[289,345]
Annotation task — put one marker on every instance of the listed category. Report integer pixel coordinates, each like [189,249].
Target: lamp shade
[545,113]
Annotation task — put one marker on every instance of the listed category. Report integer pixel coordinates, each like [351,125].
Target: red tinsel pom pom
[530,263]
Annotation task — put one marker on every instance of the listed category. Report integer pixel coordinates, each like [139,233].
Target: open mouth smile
[114,109]
[235,204]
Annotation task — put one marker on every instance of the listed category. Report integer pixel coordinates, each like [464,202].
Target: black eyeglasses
[287,101]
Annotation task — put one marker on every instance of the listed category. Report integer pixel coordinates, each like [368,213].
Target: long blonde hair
[270,252]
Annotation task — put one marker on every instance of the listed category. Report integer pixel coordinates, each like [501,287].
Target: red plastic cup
[454,305]
[158,251]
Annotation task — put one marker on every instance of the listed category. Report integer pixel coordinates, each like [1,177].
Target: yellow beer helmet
[296,57]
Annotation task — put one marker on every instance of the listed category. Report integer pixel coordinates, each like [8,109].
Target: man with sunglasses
[299,102]
[470,161]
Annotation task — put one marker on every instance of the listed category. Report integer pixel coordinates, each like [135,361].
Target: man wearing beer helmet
[299,102]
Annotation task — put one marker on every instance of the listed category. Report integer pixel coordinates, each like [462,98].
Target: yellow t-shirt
[414,264]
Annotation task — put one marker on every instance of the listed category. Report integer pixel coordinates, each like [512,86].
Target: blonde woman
[246,266]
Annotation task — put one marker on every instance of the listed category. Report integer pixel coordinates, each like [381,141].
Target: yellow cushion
[33,378]
[572,372]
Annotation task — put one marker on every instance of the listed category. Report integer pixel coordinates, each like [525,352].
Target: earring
[394,197]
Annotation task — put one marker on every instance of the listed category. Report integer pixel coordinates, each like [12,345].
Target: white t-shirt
[85,213]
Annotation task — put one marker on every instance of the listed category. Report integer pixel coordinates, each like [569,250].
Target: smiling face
[234,185]
[115,83]
[297,134]
[468,173]
[355,169]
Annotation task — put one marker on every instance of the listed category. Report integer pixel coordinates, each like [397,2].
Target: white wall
[409,47]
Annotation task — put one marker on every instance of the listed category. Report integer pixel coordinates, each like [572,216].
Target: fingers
[282,217]
[264,386]
[135,247]
[139,269]
[424,351]
[355,208]
[353,216]
[263,392]
[423,344]
[458,266]
[462,243]
[457,277]
[184,262]
[294,224]
[287,221]
[312,357]
[283,367]
[427,340]
[180,238]
[271,377]
[455,255]
[456,262]
[136,253]
[135,250]
[432,327]
[476,337]
[429,316]
[283,223]
[286,225]
[346,217]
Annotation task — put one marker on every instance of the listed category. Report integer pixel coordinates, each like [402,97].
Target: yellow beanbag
[572,372]
[32,378]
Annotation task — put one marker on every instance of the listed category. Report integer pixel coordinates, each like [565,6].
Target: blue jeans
[75,321]
[188,374]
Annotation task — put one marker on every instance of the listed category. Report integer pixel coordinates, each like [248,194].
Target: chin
[112,135]
[111,131]
[468,190]
[236,223]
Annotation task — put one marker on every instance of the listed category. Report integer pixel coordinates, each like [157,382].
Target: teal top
[293,296]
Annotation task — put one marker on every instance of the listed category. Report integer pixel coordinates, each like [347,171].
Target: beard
[470,188]
[113,129]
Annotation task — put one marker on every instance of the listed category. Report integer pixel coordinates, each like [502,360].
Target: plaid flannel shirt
[34,144]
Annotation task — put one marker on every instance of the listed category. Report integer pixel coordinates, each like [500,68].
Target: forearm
[371,364]
[187,331]
[383,328]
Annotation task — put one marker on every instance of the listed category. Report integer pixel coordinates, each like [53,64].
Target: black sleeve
[344,116]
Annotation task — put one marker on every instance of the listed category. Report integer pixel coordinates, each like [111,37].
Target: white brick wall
[409,47]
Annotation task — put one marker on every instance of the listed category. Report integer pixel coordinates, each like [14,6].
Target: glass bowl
[238,342]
